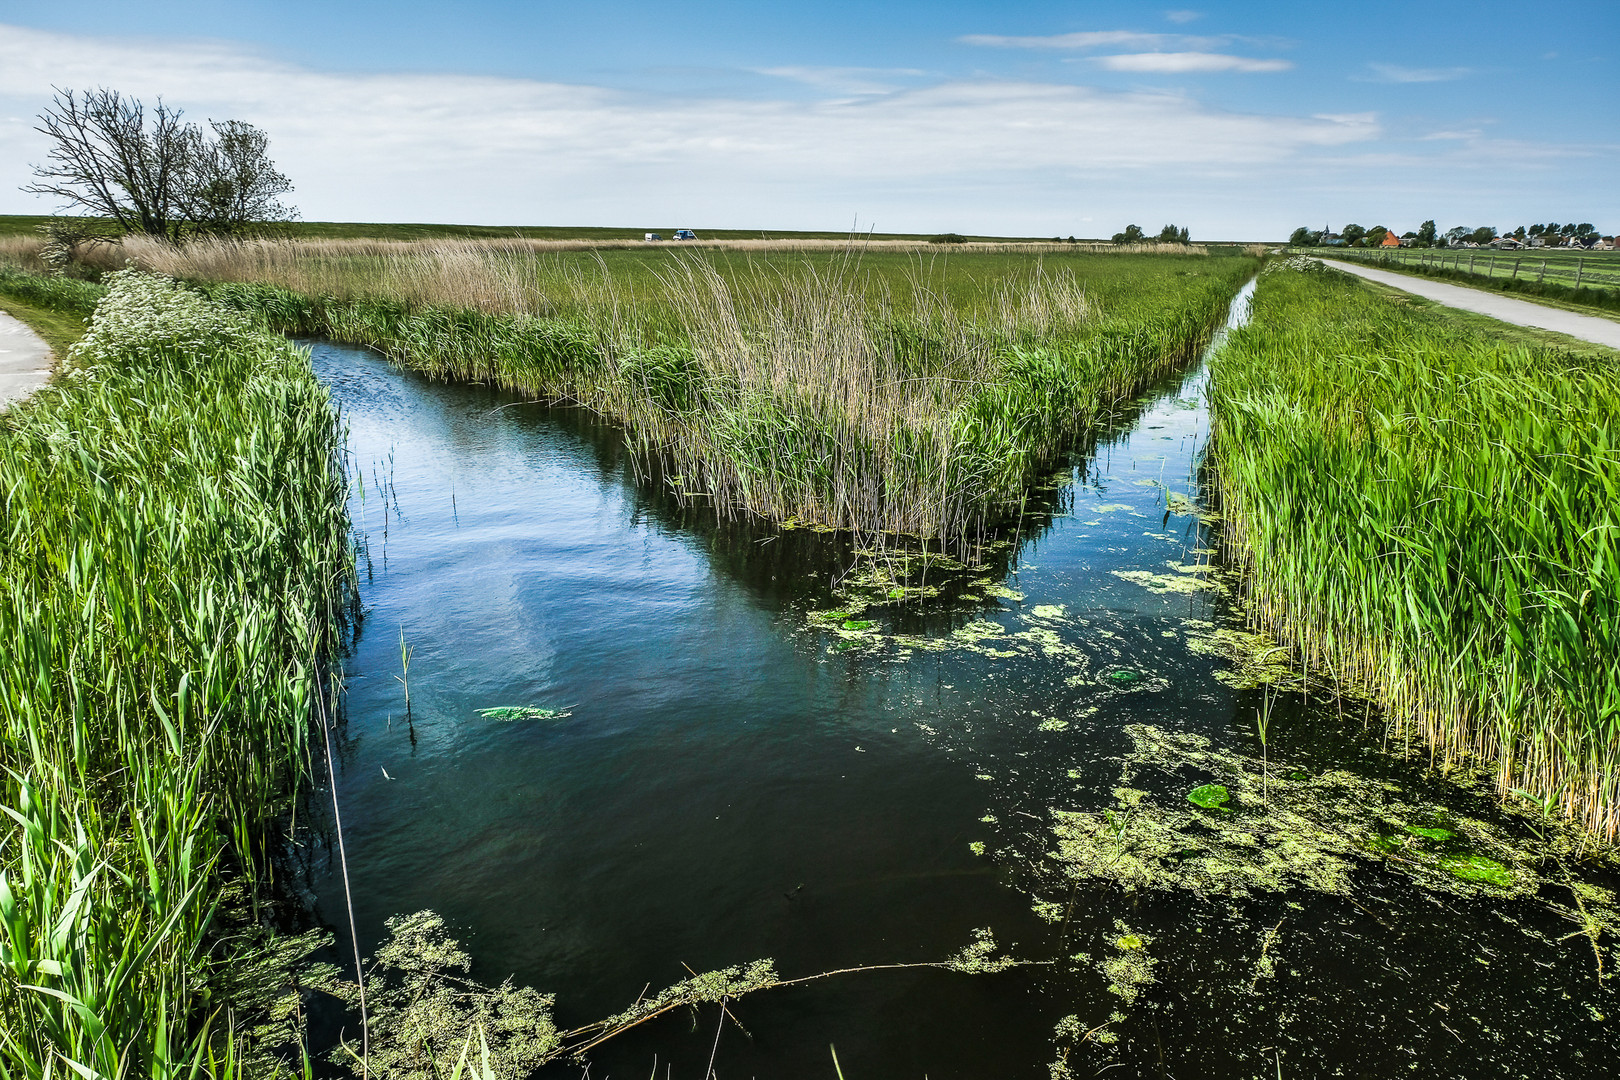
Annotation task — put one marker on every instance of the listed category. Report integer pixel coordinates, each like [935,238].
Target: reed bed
[175,569]
[1435,515]
[877,393]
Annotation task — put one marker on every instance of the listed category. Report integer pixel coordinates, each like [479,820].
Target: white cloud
[1091,39]
[845,80]
[1394,73]
[1180,63]
[1012,157]
[1183,15]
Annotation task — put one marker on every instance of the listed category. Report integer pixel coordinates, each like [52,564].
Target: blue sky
[1239,120]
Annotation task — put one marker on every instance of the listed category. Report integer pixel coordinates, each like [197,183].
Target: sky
[1238,120]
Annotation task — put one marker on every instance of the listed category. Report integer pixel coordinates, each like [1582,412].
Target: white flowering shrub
[144,315]
[1299,264]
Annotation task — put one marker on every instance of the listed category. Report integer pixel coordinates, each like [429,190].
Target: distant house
[1506,243]
[1390,240]
[1605,243]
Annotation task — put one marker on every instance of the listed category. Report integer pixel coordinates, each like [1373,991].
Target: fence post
[1580,267]
[1516,264]
[1543,272]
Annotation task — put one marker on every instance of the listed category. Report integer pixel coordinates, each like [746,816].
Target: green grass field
[27,224]
[1433,512]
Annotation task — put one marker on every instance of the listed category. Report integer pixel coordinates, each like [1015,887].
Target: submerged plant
[525,712]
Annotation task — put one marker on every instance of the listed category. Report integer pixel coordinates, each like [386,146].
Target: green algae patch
[523,712]
[1129,968]
[1047,611]
[1478,868]
[1311,832]
[1210,797]
[1002,592]
[857,624]
[1161,583]
[1254,660]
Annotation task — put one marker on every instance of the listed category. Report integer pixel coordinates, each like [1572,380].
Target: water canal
[739,777]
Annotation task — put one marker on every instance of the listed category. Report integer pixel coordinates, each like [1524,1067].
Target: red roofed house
[1390,240]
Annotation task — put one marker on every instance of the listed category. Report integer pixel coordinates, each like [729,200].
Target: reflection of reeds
[1436,515]
[892,394]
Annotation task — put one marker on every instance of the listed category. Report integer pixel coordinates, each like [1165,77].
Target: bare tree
[231,184]
[152,173]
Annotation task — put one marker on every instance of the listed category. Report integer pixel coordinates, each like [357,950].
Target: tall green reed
[1435,515]
[175,568]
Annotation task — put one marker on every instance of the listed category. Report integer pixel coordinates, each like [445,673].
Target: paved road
[25,360]
[1519,312]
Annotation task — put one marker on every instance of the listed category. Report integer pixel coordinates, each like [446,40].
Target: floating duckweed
[977,847]
[978,956]
[1162,583]
[1054,724]
[1003,593]
[1177,503]
[1309,832]
[1210,797]
[523,712]
[1124,676]
[1430,834]
[1130,969]
[1047,611]
[1256,660]
[857,624]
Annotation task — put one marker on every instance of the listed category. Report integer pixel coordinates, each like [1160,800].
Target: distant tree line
[1428,235]
[147,171]
[1133,234]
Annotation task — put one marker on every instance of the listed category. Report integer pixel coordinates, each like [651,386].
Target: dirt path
[25,360]
[1519,312]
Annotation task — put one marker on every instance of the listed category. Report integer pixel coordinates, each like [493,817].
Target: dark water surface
[736,783]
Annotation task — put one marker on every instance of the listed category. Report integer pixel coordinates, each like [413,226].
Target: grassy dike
[1434,514]
[866,394]
[174,575]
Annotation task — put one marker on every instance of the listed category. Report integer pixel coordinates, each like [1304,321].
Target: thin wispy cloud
[846,80]
[1395,73]
[1183,15]
[1182,63]
[1095,39]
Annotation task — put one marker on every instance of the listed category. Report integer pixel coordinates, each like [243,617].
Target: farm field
[27,224]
